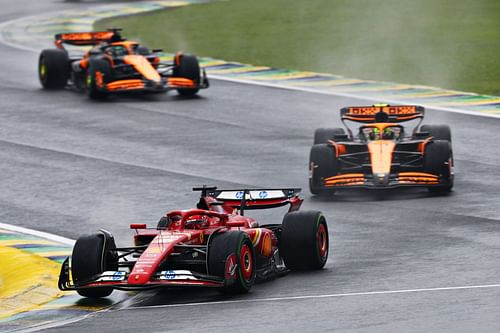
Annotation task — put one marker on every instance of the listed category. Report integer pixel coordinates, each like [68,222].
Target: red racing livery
[213,245]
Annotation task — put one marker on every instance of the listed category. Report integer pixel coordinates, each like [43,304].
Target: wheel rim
[43,70]
[246,262]
[88,81]
[322,240]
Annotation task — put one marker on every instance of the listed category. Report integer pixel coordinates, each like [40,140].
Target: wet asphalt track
[69,166]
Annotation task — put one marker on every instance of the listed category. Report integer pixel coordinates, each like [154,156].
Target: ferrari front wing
[121,280]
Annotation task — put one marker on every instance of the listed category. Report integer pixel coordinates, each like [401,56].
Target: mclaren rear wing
[243,199]
[382,113]
[87,38]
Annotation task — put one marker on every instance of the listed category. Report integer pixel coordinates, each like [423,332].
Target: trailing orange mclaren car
[382,153]
[115,65]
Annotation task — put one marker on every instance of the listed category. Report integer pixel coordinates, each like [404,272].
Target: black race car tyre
[304,242]
[93,254]
[322,163]
[438,158]
[439,132]
[53,69]
[103,67]
[232,249]
[187,66]
[322,135]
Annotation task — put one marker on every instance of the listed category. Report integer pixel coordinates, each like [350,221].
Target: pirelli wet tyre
[99,73]
[438,159]
[322,135]
[322,163]
[53,68]
[92,255]
[231,255]
[187,66]
[304,242]
[439,132]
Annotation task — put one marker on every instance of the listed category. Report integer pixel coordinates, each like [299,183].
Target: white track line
[306,297]
[354,96]
[41,234]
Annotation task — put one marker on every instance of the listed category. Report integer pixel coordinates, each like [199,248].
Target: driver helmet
[374,134]
[388,133]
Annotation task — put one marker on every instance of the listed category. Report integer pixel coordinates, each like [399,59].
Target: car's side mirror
[422,135]
[340,137]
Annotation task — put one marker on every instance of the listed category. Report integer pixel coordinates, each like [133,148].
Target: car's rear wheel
[304,243]
[438,132]
[53,68]
[187,66]
[231,255]
[92,255]
[322,135]
[322,163]
[98,75]
[438,159]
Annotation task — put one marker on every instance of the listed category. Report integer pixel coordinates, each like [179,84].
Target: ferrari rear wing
[382,113]
[258,198]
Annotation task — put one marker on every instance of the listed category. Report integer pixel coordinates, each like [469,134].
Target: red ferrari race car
[115,65]
[213,245]
[382,153]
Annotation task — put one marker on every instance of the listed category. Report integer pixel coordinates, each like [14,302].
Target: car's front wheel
[92,255]
[231,255]
[438,159]
[322,163]
[187,66]
[98,75]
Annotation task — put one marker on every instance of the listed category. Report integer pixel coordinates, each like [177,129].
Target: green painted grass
[452,44]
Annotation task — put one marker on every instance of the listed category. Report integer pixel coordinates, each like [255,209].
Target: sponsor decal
[231,268]
[112,276]
[239,195]
[263,194]
[169,275]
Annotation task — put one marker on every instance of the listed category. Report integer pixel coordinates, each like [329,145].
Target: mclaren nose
[381,179]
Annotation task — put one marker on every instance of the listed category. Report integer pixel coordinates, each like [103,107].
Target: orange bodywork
[381,156]
[339,148]
[421,146]
[125,85]
[143,66]
[346,179]
[181,82]
[418,178]
[99,79]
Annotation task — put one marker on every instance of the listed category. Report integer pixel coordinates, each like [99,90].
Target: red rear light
[138,226]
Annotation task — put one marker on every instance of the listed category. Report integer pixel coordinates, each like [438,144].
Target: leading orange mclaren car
[382,153]
[115,65]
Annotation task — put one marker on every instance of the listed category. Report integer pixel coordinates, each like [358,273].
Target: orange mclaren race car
[115,65]
[382,153]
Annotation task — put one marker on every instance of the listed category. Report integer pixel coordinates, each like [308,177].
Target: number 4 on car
[382,153]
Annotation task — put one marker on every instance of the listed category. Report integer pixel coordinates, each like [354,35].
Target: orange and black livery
[116,65]
[381,153]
